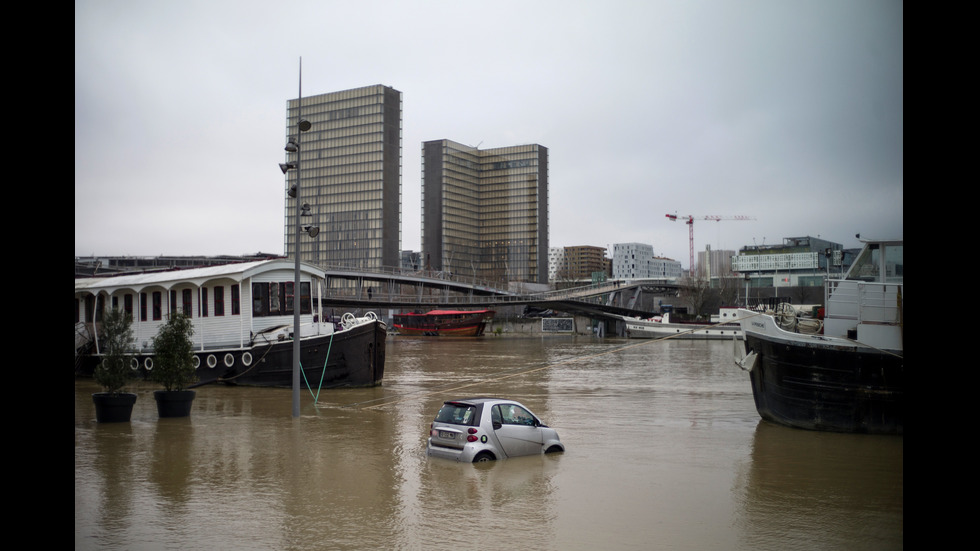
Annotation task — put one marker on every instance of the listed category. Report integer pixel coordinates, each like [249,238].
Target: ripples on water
[665,451]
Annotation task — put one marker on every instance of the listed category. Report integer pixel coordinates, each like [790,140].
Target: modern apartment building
[349,163]
[485,211]
[637,261]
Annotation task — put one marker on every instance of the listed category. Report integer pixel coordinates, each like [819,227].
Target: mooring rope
[322,373]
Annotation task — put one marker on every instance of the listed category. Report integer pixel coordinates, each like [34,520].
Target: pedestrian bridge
[426,290]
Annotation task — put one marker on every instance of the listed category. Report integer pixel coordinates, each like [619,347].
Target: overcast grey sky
[787,111]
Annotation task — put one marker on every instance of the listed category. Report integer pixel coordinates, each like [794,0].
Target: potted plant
[173,366]
[113,405]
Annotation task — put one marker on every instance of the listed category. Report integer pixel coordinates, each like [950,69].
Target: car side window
[515,415]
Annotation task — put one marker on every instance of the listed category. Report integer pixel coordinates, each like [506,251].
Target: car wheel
[554,449]
[483,457]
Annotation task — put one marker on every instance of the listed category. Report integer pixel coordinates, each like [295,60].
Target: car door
[517,430]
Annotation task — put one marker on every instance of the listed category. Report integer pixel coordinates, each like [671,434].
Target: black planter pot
[113,408]
[174,403]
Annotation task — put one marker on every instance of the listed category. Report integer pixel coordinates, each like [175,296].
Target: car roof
[478,401]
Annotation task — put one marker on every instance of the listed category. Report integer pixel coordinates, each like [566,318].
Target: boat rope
[322,373]
[387,401]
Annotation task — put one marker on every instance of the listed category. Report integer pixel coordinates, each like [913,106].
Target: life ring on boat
[247,359]
[229,360]
[196,362]
[212,361]
[148,363]
[134,364]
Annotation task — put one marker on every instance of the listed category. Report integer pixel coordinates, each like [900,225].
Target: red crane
[689,220]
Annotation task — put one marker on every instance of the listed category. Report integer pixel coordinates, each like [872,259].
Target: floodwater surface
[664,451]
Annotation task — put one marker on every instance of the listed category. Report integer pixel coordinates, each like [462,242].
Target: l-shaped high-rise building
[485,212]
[350,170]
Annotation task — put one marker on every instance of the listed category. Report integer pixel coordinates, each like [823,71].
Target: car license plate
[447,435]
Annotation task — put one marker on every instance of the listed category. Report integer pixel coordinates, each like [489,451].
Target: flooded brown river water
[664,451]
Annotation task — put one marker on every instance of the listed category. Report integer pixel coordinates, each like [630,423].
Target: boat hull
[351,358]
[642,329]
[443,324]
[823,383]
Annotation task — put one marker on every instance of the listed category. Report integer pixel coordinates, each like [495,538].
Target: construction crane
[689,220]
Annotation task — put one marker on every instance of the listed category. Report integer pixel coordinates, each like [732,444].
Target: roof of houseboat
[235,271]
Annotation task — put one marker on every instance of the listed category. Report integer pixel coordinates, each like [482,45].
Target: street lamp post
[293,146]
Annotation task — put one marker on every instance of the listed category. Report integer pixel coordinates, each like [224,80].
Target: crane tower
[689,220]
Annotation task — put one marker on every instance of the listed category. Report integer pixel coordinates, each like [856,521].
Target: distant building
[798,261]
[411,261]
[712,263]
[581,262]
[556,259]
[485,212]
[638,261]
[350,166]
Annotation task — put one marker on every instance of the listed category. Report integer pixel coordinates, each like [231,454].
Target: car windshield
[457,414]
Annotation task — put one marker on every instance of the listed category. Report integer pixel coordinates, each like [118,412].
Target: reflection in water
[799,483]
[665,450]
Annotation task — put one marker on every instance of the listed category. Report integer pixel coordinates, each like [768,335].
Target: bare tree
[695,290]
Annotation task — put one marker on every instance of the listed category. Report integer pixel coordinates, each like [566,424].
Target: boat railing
[865,302]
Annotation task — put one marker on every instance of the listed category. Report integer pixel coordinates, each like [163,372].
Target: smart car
[486,429]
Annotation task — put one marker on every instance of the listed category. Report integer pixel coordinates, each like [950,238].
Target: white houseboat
[724,325]
[242,315]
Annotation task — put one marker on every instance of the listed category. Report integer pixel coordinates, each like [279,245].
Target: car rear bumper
[463,455]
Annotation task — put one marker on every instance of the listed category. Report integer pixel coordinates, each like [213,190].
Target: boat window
[275,305]
[287,293]
[894,263]
[157,305]
[236,299]
[142,306]
[879,262]
[304,297]
[187,302]
[260,299]
[204,302]
[128,304]
[219,301]
[267,298]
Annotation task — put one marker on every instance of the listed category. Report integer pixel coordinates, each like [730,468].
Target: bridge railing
[428,275]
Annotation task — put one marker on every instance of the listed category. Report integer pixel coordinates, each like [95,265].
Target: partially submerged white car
[485,429]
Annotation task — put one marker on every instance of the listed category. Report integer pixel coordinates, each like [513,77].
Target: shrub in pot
[173,366]
[112,374]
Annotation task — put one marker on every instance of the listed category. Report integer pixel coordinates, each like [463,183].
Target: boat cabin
[227,304]
[867,304]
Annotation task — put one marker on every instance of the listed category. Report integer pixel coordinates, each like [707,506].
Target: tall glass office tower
[350,165]
[485,212]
